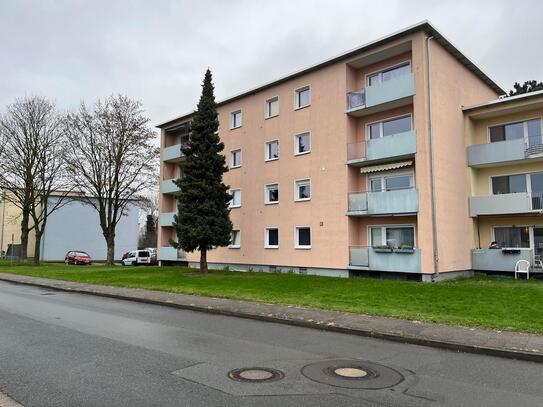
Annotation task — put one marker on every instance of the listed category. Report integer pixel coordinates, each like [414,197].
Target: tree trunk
[203,261]
[110,261]
[24,236]
[37,247]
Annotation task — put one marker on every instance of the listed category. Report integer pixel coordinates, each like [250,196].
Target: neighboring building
[333,164]
[74,226]
[505,157]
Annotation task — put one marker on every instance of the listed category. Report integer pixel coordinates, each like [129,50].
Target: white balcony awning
[385,167]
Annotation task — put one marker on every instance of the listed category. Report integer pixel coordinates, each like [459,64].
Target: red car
[77,257]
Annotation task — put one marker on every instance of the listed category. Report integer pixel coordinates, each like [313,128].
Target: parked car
[154,255]
[137,257]
[77,257]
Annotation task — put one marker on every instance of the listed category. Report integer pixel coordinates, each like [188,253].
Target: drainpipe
[432,174]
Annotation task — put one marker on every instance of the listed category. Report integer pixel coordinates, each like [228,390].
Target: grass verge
[491,302]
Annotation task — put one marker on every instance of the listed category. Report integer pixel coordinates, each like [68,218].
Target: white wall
[76,226]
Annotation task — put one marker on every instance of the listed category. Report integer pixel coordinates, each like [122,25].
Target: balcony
[498,259]
[505,152]
[172,154]
[168,253]
[396,202]
[387,95]
[169,187]
[166,219]
[375,259]
[505,204]
[382,149]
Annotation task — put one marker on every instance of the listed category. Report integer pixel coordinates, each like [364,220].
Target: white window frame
[387,68]
[297,106]
[266,196]
[524,127]
[266,158]
[380,123]
[266,107]
[235,246]
[296,152]
[297,190]
[530,234]
[232,201]
[232,158]
[391,174]
[383,232]
[267,244]
[232,119]
[296,237]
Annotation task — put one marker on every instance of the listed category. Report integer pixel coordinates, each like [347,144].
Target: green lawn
[492,302]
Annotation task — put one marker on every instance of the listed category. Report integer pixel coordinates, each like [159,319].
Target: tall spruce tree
[203,221]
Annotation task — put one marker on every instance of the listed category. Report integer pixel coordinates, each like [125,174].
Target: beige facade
[386,182]
[505,159]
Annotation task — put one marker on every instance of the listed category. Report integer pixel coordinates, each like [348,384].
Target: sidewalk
[473,340]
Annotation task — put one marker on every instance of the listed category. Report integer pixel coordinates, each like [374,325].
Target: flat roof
[424,25]
[504,100]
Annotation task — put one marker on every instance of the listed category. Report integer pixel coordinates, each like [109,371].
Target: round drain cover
[352,374]
[255,375]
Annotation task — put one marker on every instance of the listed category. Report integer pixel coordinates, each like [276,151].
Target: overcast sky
[157,51]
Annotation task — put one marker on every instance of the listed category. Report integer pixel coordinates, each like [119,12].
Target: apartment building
[356,165]
[505,159]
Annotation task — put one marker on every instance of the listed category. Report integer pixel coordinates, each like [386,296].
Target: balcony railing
[166,218]
[403,260]
[172,153]
[375,150]
[169,187]
[168,253]
[394,90]
[498,259]
[393,202]
[505,204]
[507,151]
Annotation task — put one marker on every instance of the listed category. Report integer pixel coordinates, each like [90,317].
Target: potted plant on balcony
[382,249]
[405,249]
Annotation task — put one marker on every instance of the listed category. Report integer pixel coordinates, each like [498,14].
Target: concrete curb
[285,319]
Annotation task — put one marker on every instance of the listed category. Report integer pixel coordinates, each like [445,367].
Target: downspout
[432,173]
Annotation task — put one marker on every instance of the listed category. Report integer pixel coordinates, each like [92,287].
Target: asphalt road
[63,349]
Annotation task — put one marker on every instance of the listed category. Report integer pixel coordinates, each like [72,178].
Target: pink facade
[364,193]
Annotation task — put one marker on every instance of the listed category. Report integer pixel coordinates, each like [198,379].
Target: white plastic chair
[522,266]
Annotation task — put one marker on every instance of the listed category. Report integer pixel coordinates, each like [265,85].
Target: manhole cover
[353,374]
[255,375]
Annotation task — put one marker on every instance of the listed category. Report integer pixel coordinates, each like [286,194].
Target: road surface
[67,349]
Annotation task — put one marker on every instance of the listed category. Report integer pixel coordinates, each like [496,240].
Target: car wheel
[75,262]
[134,263]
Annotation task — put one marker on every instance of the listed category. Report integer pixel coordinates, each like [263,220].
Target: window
[388,74]
[529,130]
[509,184]
[302,97]
[272,107]
[391,182]
[302,143]
[235,239]
[235,158]
[512,236]
[271,194]
[389,127]
[303,237]
[272,150]
[392,236]
[272,238]
[236,198]
[235,119]
[303,190]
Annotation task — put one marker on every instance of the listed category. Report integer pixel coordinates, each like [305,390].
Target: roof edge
[504,100]
[423,25]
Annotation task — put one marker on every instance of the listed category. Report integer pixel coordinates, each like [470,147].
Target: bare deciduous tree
[31,164]
[111,158]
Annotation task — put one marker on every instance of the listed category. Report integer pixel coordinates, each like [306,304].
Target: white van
[137,257]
